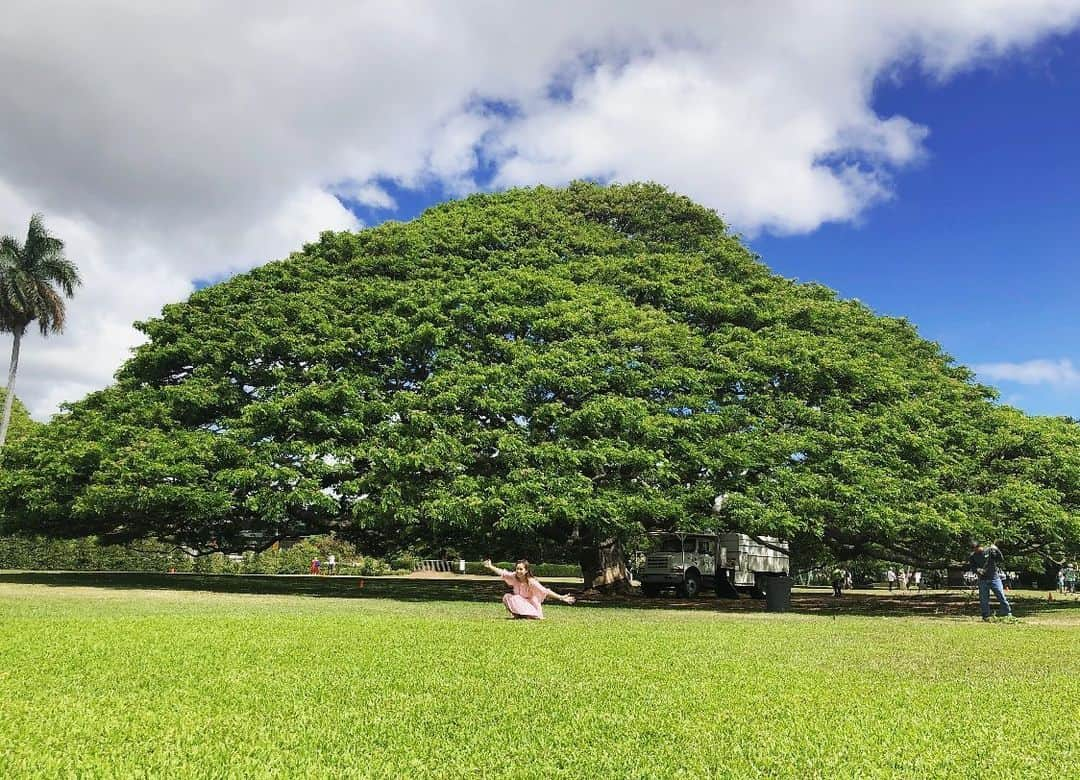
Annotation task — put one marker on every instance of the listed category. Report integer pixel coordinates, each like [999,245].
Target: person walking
[918,580]
[890,575]
[985,562]
[902,577]
[331,564]
[1061,580]
[837,579]
[528,592]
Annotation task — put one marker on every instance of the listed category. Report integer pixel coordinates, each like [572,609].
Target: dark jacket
[985,562]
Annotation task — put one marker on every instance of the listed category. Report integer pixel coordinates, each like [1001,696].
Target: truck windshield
[674,545]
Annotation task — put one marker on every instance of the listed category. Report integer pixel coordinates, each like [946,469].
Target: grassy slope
[110,682]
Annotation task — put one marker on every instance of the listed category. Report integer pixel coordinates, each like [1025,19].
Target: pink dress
[527,598]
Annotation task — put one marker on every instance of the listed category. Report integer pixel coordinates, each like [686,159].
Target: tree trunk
[602,565]
[9,397]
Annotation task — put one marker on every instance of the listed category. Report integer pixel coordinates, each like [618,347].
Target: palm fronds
[32,277]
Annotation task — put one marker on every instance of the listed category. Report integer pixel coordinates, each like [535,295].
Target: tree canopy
[22,424]
[550,369]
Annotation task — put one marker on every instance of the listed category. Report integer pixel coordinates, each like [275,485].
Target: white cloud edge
[1059,373]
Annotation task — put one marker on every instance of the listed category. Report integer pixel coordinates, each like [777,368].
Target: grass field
[139,679]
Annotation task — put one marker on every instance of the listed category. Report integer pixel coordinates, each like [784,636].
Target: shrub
[88,554]
[539,569]
[406,561]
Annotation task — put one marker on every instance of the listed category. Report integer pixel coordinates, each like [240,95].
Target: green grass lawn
[148,681]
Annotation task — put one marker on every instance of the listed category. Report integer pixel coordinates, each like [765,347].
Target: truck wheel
[691,585]
[650,590]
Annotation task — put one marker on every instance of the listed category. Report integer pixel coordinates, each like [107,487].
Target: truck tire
[651,590]
[691,584]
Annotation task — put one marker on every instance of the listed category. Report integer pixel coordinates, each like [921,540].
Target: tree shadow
[332,586]
[943,603]
[865,603]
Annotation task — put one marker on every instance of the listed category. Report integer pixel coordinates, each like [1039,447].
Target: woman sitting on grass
[529,593]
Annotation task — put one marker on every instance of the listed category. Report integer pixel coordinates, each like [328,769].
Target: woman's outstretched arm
[567,599]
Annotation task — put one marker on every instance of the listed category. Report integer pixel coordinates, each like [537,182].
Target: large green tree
[545,369]
[30,274]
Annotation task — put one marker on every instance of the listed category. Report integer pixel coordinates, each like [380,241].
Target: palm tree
[28,273]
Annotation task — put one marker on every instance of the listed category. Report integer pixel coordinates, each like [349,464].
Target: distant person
[1070,579]
[985,562]
[314,565]
[1061,580]
[837,579]
[890,576]
[918,580]
[849,583]
[903,579]
[331,564]
[528,594]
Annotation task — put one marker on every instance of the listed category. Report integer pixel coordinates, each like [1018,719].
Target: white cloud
[1056,373]
[673,118]
[180,141]
[365,194]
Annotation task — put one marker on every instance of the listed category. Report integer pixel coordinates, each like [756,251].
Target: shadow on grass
[946,603]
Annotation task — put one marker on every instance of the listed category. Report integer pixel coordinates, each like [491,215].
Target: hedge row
[539,569]
[87,554]
[44,554]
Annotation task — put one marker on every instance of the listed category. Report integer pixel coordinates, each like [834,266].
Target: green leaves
[535,367]
[28,274]
[21,422]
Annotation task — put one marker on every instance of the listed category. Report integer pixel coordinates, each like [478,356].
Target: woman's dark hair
[528,568]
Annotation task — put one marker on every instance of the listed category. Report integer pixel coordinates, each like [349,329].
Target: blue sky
[979,244]
[980,247]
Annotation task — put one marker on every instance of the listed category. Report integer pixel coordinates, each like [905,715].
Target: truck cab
[727,562]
